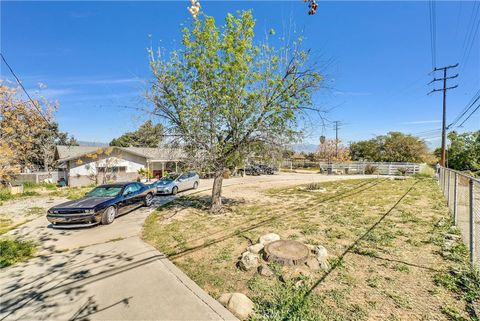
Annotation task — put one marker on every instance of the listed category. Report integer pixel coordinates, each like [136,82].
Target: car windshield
[169,178]
[105,191]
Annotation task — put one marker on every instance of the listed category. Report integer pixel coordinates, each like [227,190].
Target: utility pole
[336,137]
[444,116]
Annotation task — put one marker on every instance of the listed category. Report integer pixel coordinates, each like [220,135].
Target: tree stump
[286,252]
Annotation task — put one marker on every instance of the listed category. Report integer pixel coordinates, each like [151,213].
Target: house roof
[65,153]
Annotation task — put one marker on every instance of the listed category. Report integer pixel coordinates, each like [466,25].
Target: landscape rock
[313,264]
[324,265]
[453,237]
[321,253]
[224,298]
[240,305]
[322,256]
[268,238]
[249,261]
[264,270]
[256,248]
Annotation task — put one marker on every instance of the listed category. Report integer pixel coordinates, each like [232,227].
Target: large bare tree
[222,91]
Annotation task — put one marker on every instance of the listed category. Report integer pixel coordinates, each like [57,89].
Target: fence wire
[462,193]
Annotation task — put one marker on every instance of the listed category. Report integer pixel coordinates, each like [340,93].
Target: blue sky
[92,58]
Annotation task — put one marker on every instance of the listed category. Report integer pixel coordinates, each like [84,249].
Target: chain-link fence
[463,198]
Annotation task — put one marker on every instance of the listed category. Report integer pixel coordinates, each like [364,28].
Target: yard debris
[238,303]
[249,261]
[256,248]
[268,238]
[264,270]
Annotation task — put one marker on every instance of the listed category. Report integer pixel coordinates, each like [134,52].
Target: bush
[15,250]
[402,171]
[370,169]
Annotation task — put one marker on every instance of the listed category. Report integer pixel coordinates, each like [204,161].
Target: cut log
[286,252]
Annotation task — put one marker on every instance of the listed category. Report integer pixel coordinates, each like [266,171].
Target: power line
[433,32]
[471,34]
[469,105]
[24,90]
[473,112]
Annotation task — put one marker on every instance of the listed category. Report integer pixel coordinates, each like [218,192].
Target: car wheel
[174,190]
[148,200]
[109,215]
[195,185]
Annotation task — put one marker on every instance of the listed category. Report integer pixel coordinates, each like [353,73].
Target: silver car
[174,183]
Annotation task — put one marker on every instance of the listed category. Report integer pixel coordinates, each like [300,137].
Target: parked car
[177,182]
[253,170]
[101,205]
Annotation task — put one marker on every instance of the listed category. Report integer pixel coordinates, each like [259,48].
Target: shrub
[15,250]
[402,171]
[370,169]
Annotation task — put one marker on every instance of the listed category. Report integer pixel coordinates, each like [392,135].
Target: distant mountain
[85,143]
[307,148]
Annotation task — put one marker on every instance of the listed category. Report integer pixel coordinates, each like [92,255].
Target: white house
[84,165]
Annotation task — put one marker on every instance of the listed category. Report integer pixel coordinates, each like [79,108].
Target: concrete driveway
[109,273]
[101,273]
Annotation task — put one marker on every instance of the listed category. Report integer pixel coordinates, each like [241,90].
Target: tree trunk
[217,191]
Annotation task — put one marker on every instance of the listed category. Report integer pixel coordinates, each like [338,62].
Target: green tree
[463,152]
[393,147]
[222,91]
[147,135]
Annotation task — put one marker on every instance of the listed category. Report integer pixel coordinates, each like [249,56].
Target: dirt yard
[385,240]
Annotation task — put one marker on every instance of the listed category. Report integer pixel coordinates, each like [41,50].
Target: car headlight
[55,212]
[90,211]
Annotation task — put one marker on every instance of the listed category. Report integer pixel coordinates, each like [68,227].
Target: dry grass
[386,274]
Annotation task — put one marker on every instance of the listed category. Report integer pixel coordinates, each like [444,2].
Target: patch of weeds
[15,250]
[373,282]
[334,233]
[464,282]
[399,300]
[5,225]
[364,252]
[381,237]
[401,268]
[30,193]
[5,194]
[225,254]
[452,314]
[456,252]
[280,301]
[35,210]
[313,186]
[309,229]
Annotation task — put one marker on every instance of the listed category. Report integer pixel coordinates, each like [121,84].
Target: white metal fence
[380,168]
[463,198]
